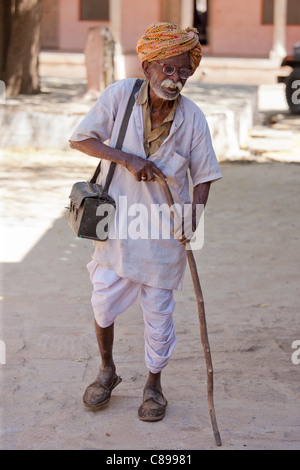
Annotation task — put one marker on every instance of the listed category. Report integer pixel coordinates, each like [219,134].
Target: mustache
[168,83]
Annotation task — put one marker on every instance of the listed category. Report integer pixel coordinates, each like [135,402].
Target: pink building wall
[72,32]
[136,17]
[236,29]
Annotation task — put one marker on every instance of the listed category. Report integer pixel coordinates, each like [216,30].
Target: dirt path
[249,271]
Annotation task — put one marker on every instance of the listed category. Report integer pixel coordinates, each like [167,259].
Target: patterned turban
[163,40]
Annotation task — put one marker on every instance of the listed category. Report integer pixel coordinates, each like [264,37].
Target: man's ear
[146,68]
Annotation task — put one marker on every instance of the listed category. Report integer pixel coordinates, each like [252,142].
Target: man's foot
[98,393]
[153,407]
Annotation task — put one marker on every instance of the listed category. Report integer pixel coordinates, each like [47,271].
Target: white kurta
[154,262]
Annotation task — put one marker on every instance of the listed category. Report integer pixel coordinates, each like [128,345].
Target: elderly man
[167,135]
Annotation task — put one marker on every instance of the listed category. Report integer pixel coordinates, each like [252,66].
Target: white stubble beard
[157,87]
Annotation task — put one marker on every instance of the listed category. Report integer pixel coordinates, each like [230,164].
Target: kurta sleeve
[204,165]
[99,121]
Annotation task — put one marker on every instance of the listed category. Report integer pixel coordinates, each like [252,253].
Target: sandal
[97,394]
[153,407]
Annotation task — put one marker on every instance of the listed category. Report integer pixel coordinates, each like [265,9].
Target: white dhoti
[112,295]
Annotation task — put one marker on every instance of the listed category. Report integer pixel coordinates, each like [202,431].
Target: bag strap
[121,136]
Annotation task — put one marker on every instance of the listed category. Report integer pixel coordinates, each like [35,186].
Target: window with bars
[293,12]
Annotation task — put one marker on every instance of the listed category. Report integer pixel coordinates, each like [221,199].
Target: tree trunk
[20,45]
[5,23]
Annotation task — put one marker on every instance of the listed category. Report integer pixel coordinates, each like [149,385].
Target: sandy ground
[249,272]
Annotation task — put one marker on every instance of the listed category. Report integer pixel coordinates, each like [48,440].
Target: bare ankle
[106,374]
[154,382]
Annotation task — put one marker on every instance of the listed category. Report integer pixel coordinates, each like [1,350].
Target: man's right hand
[142,169]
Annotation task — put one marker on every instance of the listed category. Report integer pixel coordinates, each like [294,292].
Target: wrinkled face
[167,87]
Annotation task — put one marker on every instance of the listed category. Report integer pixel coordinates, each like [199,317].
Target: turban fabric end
[164,40]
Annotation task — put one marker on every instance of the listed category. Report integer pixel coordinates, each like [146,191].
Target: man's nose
[176,77]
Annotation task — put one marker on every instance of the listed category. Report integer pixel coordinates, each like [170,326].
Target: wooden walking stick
[202,320]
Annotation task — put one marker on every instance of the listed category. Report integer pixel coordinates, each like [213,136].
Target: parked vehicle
[292,81]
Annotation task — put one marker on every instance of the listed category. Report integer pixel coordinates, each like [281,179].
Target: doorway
[201,20]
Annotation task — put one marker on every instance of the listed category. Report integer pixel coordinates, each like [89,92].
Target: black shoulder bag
[85,215]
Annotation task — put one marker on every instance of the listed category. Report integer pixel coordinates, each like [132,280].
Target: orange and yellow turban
[163,40]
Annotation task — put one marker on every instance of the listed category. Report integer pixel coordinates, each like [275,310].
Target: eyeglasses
[184,72]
